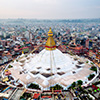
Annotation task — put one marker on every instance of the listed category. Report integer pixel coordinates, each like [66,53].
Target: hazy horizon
[49,9]
[49,19]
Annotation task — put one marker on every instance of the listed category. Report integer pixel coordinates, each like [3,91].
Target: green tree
[93,68]
[73,84]
[56,87]
[91,76]
[34,86]
[87,61]
[79,82]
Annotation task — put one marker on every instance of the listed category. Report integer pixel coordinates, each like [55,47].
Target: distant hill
[31,21]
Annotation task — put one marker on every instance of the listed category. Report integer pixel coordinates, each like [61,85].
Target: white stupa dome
[51,60]
[51,66]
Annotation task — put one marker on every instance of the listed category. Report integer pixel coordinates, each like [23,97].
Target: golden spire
[50,44]
[22,52]
[50,33]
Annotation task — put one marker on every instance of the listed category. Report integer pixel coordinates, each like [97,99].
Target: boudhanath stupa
[49,67]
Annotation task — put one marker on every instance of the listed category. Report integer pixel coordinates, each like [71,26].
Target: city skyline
[50,9]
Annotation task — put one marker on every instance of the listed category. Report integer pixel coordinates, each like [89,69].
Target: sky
[50,9]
